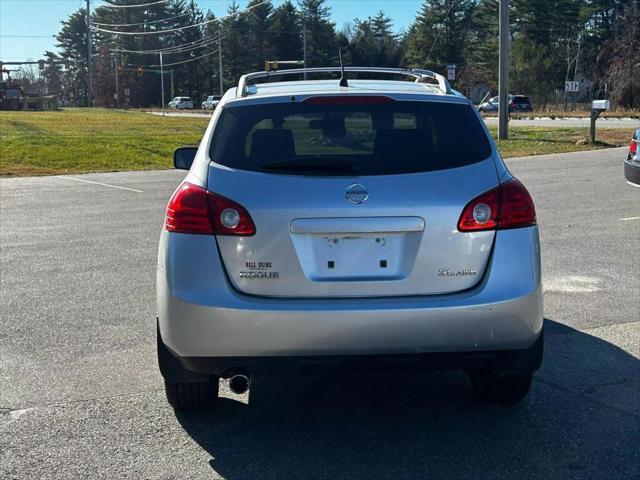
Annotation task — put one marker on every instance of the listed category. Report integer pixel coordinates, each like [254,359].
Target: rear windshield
[521,100]
[370,139]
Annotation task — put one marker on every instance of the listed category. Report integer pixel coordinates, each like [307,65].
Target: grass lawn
[91,140]
[525,141]
[97,140]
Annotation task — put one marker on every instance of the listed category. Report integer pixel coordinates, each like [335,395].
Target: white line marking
[16,414]
[629,218]
[101,184]
[571,284]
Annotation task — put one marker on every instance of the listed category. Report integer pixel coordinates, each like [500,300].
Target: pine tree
[258,24]
[373,43]
[285,32]
[234,32]
[72,45]
[440,33]
[322,42]
[53,75]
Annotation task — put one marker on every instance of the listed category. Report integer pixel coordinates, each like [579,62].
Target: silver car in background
[356,226]
[632,163]
[181,103]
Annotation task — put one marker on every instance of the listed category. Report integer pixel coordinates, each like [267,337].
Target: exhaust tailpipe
[239,383]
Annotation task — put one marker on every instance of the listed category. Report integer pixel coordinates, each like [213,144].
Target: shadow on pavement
[578,422]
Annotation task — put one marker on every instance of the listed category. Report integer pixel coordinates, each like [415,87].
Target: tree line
[552,41]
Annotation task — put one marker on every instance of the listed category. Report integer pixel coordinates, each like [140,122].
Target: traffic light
[120,68]
[140,71]
[41,65]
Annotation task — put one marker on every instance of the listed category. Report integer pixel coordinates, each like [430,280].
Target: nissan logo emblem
[356,194]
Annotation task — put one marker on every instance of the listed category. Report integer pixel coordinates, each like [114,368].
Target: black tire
[191,396]
[186,390]
[489,386]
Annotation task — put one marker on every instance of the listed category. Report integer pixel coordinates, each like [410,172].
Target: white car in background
[211,102]
[181,103]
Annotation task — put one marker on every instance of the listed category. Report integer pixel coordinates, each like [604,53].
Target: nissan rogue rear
[352,226]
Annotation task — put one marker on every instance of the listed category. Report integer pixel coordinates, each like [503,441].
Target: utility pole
[172,93]
[503,79]
[89,69]
[220,60]
[304,47]
[117,66]
[162,81]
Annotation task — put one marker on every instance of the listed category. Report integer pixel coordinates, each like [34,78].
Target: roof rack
[417,74]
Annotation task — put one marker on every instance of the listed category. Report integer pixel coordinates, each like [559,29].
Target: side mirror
[183,157]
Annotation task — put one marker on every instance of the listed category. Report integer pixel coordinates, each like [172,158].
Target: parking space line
[101,184]
[629,219]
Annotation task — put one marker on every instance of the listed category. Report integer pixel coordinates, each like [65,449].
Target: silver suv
[357,225]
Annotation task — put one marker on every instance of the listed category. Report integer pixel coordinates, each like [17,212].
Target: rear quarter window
[377,139]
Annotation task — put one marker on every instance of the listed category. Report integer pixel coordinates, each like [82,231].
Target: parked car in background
[181,103]
[517,103]
[341,227]
[211,102]
[632,163]
[520,103]
[65,102]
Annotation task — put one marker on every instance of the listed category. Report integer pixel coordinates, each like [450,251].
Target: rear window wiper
[320,164]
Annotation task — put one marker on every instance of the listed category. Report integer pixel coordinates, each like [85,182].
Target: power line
[175,49]
[147,22]
[111,5]
[206,22]
[140,23]
[176,63]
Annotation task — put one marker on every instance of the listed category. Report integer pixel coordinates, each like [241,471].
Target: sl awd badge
[356,194]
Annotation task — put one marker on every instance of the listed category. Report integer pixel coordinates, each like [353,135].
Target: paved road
[629,123]
[81,396]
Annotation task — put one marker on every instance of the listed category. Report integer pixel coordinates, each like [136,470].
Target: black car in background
[520,103]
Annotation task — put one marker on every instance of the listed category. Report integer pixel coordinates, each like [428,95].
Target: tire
[191,396]
[185,390]
[489,386]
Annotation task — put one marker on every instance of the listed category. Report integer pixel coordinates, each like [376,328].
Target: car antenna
[343,78]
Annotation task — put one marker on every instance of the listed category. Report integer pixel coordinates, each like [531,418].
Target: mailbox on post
[597,107]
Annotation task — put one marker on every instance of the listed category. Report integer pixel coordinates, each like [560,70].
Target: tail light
[633,147]
[507,206]
[192,209]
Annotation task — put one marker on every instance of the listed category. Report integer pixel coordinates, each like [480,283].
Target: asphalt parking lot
[81,396]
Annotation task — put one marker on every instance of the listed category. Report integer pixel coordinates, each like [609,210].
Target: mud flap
[523,361]
[171,368]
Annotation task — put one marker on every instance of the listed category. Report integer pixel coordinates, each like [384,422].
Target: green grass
[525,141]
[91,140]
[97,140]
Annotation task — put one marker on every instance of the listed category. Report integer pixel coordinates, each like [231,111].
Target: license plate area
[353,257]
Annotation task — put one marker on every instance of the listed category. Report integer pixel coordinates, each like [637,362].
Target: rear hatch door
[353,200]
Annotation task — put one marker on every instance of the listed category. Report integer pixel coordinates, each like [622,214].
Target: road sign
[451,71]
[571,87]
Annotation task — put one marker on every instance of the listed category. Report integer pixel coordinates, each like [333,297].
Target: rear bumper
[201,315]
[198,369]
[632,172]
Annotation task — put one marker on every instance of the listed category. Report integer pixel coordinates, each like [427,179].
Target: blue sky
[27,26]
